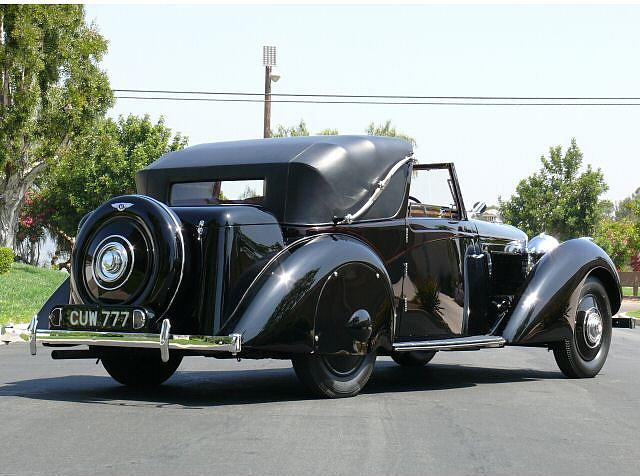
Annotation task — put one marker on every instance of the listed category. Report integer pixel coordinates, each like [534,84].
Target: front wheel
[139,368]
[584,355]
[334,376]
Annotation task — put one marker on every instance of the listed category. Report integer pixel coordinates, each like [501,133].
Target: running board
[457,343]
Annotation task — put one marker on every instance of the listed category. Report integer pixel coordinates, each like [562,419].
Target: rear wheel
[139,368]
[417,358]
[584,355]
[334,376]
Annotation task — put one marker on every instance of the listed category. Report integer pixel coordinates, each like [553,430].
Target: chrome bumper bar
[165,341]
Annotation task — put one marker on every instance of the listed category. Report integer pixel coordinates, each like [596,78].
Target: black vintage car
[324,250]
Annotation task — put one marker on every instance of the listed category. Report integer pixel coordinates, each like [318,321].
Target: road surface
[501,411]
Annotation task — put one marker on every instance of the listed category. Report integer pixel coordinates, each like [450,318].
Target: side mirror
[478,208]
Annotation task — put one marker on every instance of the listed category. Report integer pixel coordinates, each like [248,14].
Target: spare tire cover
[129,251]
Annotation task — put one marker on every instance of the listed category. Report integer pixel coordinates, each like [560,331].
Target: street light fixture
[270,74]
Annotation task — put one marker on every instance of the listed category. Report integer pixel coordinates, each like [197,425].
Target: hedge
[6,258]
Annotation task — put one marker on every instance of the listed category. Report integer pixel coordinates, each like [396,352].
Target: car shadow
[200,389]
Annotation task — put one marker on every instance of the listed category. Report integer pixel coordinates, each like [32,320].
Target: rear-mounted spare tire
[129,251]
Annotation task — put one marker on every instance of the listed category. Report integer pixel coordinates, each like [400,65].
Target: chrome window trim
[380,186]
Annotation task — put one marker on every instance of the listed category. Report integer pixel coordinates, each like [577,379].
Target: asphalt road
[502,411]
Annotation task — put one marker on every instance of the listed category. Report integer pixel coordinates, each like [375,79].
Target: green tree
[619,238]
[629,208]
[301,129]
[51,91]
[298,130]
[606,209]
[558,199]
[328,132]
[101,165]
[387,129]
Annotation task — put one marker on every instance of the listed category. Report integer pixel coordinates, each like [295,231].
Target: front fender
[278,311]
[545,311]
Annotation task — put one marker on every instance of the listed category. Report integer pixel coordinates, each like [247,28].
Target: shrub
[6,258]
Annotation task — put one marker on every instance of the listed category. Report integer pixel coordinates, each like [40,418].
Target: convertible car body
[325,250]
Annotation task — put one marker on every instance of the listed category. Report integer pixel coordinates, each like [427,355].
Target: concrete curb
[11,333]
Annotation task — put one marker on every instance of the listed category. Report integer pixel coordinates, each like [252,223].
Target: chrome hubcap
[111,262]
[593,327]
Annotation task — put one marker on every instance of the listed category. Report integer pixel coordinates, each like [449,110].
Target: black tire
[334,376]
[139,368]
[417,358]
[579,357]
[154,251]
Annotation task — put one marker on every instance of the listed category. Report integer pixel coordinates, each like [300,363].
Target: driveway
[502,411]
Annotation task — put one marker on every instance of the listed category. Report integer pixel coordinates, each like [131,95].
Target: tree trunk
[11,197]
[13,188]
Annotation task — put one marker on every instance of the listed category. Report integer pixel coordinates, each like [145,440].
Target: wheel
[417,358]
[131,251]
[584,355]
[139,368]
[334,376]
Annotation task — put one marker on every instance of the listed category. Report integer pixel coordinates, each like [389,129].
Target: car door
[438,237]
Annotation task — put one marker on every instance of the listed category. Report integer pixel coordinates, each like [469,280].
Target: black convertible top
[308,179]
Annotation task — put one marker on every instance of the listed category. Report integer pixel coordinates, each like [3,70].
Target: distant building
[490,214]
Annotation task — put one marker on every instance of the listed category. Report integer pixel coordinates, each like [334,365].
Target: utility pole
[269,62]
[267,101]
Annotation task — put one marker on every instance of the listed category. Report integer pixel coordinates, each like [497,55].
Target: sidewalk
[11,333]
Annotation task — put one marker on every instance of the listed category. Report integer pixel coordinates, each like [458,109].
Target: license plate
[102,319]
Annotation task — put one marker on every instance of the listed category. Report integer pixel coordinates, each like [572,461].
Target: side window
[431,194]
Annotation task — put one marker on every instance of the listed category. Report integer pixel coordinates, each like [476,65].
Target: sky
[427,50]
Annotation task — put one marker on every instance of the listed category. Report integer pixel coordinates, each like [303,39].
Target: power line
[385,96]
[397,103]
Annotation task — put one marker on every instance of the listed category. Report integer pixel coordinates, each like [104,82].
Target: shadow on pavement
[201,389]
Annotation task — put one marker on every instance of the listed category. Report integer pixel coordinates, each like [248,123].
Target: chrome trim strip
[451,344]
[231,343]
[380,186]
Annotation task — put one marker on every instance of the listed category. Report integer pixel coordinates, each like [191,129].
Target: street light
[270,74]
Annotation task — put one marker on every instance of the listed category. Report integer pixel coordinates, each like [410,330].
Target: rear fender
[545,311]
[355,310]
[60,297]
[295,293]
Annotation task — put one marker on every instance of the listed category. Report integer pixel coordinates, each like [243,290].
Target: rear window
[217,192]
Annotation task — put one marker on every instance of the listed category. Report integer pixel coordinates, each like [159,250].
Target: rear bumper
[165,341]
